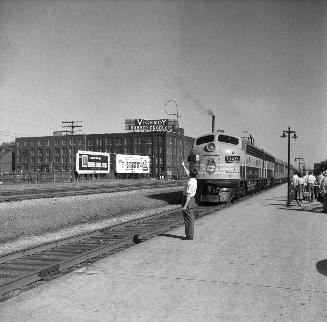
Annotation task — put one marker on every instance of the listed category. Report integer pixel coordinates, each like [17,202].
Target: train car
[281,172]
[230,167]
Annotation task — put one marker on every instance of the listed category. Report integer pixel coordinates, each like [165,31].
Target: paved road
[254,261]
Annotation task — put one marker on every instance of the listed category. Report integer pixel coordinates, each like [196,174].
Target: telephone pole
[72,125]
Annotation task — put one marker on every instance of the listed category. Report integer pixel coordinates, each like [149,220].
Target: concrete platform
[254,261]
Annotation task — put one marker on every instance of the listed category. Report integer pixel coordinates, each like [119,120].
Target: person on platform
[310,180]
[316,188]
[323,191]
[300,189]
[188,202]
[295,178]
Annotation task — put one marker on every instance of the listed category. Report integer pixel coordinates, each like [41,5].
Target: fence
[62,177]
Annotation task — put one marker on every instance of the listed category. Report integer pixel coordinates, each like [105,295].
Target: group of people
[314,187]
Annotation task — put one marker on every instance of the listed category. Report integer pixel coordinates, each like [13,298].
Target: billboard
[142,125]
[92,162]
[132,163]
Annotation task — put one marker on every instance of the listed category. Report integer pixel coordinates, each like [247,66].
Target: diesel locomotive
[230,167]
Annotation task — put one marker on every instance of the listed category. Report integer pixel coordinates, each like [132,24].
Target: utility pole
[299,158]
[72,126]
[288,132]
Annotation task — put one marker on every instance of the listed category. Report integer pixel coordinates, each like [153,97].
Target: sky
[258,66]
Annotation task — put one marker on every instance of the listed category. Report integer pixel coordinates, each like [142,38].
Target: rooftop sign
[142,125]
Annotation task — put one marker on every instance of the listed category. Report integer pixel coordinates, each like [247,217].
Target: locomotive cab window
[228,139]
[205,139]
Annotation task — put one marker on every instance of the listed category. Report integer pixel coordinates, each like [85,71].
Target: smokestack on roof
[213,122]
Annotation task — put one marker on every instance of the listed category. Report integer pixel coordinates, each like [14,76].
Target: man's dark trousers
[188,216]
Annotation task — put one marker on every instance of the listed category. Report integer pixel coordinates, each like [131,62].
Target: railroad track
[18,195]
[41,263]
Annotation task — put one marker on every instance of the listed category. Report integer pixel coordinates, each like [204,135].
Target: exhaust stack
[213,122]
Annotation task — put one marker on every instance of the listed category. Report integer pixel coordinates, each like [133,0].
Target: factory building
[162,140]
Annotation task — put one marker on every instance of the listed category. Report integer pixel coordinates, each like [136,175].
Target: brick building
[7,162]
[57,153]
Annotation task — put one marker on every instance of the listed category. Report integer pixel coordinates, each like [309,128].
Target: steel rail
[42,262]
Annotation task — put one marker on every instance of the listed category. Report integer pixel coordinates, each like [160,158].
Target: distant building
[56,153]
[7,162]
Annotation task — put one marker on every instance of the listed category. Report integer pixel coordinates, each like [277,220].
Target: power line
[72,126]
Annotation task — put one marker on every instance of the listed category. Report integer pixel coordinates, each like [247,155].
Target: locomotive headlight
[211,147]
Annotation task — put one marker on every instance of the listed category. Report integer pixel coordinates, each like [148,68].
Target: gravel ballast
[28,223]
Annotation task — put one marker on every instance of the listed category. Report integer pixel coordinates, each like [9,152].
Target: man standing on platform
[188,202]
[310,185]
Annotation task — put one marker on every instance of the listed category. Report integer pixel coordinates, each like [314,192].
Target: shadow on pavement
[322,267]
[172,198]
[316,209]
[172,236]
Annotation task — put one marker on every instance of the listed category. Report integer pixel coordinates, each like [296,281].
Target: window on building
[32,152]
[71,150]
[56,168]
[47,160]
[24,143]
[63,142]
[56,142]
[39,143]
[138,150]
[47,142]
[32,143]
[56,151]
[128,150]
[39,152]
[18,143]
[64,150]
[118,142]
[71,159]
[148,140]
[47,152]
[137,140]
[127,140]
[56,159]
[64,159]
[80,141]
[71,141]
[39,160]
[32,159]
[64,168]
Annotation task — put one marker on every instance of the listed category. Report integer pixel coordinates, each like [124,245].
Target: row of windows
[46,160]
[48,142]
[96,141]
[120,141]
[47,151]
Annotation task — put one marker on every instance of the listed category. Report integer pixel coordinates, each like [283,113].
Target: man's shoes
[188,238]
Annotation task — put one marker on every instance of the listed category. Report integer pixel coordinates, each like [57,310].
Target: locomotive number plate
[233,158]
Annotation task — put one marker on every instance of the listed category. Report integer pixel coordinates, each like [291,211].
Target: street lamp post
[288,133]
[299,158]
